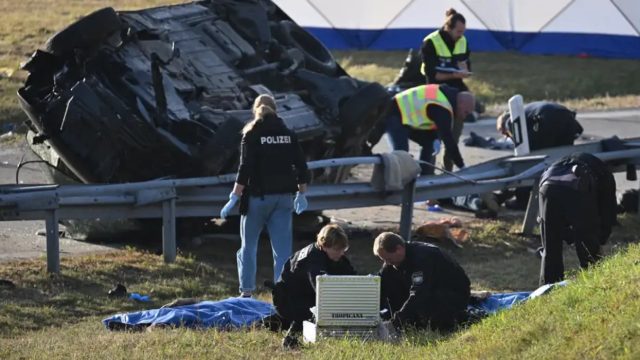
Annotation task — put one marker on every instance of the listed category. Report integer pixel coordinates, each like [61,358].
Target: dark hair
[387,241]
[452,18]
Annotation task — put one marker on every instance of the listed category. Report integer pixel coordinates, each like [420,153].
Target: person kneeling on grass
[422,286]
[295,292]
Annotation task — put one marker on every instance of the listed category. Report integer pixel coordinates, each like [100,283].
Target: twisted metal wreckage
[124,98]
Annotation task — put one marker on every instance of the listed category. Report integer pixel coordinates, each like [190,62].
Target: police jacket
[550,125]
[426,270]
[271,160]
[586,173]
[431,60]
[298,277]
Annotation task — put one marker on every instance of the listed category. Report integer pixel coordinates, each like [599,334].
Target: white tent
[604,28]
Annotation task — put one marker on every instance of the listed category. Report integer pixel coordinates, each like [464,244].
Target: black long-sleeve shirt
[425,270]
[601,182]
[271,159]
[550,124]
[431,60]
[298,278]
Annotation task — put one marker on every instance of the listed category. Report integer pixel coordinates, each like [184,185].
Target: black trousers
[571,216]
[441,311]
[293,310]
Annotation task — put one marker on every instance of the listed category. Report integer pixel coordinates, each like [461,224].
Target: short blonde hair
[332,236]
[388,241]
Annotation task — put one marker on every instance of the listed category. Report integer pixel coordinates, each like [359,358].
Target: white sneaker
[245,294]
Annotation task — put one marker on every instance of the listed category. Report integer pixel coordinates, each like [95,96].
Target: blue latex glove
[437,145]
[233,200]
[300,203]
[139,297]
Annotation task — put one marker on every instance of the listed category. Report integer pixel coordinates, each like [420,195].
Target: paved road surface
[19,240]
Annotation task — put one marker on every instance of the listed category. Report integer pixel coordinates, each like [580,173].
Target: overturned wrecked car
[165,92]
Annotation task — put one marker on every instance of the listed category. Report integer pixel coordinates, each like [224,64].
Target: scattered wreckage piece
[164,92]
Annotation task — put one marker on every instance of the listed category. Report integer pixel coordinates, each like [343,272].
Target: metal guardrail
[204,197]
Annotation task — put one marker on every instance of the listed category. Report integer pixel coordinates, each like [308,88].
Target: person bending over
[422,286]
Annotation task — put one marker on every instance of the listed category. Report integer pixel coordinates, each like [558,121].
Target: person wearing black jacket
[421,285]
[548,125]
[295,293]
[447,49]
[577,206]
[272,167]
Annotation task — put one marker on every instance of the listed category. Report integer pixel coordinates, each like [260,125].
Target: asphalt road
[19,239]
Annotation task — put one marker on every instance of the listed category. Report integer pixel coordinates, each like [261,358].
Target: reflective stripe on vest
[442,50]
[413,104]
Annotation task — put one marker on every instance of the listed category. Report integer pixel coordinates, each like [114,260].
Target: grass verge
[59,315]
[581,83]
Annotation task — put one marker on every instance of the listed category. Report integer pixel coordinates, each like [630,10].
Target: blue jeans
[398,136]
[274,211]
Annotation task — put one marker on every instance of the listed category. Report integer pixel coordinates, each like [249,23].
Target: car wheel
[84,33]
[316,56]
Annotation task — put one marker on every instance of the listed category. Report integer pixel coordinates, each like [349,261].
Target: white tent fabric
[604,28]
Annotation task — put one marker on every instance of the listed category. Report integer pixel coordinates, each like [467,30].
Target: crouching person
[295,292]
[422,286]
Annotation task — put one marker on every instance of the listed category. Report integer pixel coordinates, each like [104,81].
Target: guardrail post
[53,242]
[531,215]
[406,214]
[638,199]
[169,230]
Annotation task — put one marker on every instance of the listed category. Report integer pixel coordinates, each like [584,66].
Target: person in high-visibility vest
[445,53]
[424,114]
[445,60]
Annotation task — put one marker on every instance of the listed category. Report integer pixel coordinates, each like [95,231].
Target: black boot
[291,339]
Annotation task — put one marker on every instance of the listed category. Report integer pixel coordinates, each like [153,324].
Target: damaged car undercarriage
[164,92]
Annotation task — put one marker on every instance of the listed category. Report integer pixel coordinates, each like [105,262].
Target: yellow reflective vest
[413,104]
[442,50]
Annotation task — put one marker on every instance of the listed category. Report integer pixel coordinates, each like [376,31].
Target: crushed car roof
[138,95]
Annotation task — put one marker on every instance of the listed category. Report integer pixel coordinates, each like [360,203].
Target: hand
[462,74]
[437,145]
[367,149]
[300,203]
[233,199]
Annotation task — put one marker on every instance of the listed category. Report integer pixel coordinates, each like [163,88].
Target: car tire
[370,99]
[316,56]
[84,33]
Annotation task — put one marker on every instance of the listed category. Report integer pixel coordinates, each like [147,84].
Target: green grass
[581,83]
[59,315]
[597,316]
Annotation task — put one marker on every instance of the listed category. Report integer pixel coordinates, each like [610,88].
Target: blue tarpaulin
[232,312]
[502,301]
[240,312]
